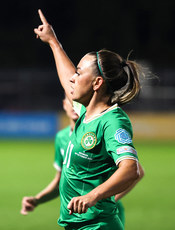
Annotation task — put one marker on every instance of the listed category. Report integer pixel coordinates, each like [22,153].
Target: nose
[72,79]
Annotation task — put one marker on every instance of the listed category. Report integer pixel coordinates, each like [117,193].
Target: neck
[97,105]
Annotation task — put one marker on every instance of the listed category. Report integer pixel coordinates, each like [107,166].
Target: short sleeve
[79,108]
[118,140]
[59,152]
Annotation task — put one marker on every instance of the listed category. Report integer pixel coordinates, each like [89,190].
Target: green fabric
[61,139]
[121,212]
[91,154]
[110,223]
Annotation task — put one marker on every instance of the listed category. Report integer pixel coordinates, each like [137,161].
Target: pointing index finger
[42,17]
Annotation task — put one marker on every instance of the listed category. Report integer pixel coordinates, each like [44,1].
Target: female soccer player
[102,137]
[29,203]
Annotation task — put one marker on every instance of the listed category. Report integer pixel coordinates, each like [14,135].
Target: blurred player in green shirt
[52,190]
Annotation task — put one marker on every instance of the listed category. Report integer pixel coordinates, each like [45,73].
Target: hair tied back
[123,64]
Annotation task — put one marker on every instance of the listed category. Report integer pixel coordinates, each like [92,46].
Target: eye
[77,73]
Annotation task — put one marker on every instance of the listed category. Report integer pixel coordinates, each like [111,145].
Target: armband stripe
[125,158]
[126,149]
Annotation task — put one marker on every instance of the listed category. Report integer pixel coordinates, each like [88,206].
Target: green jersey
[93,153]
[61,139]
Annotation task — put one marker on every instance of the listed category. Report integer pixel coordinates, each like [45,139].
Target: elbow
[141,172]
[136,173]
[134,170]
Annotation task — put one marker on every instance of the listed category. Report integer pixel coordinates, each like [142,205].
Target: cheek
[81,84]
[86,81]
[87,86]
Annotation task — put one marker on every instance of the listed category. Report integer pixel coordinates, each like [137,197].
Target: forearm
[49,193]
[65,68]
[119,182]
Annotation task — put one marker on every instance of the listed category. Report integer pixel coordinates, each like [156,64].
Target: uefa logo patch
[89,140]
[122,136]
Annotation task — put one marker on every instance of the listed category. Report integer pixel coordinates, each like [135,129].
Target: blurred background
[31,100]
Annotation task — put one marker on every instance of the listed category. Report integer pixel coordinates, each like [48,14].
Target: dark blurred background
[31,100]
[28,78]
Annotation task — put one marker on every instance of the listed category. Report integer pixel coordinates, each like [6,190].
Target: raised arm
[65,67]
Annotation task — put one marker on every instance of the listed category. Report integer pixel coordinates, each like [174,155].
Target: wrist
[54,43]
[36,201]
[96,194]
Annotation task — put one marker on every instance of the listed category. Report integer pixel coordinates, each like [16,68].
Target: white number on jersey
[68,154]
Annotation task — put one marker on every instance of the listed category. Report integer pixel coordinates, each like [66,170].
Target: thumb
[70,212]
[37,32]
[23,212]
[69,206]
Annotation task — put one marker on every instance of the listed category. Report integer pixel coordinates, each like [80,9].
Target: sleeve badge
[122,136]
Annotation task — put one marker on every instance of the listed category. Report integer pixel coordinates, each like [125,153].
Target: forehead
[86,62]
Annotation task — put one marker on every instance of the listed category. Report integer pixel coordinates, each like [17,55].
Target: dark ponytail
[132,87]
[121,77]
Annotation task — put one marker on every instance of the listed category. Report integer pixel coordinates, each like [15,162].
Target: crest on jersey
[122,136]
[89,140]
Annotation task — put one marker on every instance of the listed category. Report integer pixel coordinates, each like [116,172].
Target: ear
[97,83]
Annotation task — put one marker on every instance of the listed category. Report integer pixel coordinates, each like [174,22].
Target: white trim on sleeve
[58,168]
[126,149]
[125,158]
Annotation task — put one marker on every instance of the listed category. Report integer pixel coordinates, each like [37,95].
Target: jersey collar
[100,114]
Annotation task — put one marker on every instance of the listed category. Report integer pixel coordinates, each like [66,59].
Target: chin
[73,98]
[76,99]
[75,118]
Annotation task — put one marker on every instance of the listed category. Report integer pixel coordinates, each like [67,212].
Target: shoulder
[62,132]
[116,115]
[117,121]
